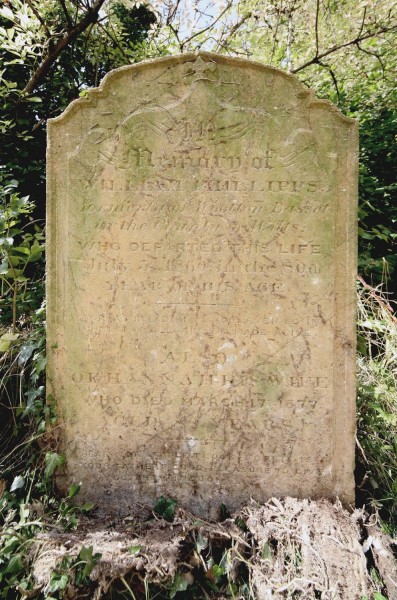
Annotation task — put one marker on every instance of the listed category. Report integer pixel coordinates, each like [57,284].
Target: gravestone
[201,287]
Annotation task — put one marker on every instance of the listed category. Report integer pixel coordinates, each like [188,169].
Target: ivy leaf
[25,353]
[165,507]
[74,490]
[58,582]
[18,483]
[10,546]
[87,556]
[22,250]
[53,461]
[13,260]
[40,363]
[15,564]
[201,543]
[181,583]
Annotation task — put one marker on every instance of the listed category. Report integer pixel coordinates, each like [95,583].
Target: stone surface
[201,286]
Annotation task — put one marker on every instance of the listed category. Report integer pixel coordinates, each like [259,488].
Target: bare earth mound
[284,549]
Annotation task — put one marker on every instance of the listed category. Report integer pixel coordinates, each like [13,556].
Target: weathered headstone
[201,275]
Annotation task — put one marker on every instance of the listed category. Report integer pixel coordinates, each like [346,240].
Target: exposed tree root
[284,549]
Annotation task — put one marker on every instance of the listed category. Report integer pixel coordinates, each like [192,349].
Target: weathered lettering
[201,287]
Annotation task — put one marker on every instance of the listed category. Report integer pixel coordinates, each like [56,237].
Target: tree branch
[176,34]
[172,13]
[316,26]
[333,76]
[68,19]
[233,30]
[189,39]
[357,40]
[114,40]
[38,17]
[375,54]
[275,40]
[289,42]
[362,22]
[90,17]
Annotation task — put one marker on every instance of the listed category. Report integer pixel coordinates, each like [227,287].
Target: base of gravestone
[286,548]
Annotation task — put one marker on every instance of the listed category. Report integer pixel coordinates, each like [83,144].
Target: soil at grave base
[285,548]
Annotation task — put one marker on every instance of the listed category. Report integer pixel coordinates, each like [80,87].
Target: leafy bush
[21,244]
[22,336]
[378,195]
[377,400]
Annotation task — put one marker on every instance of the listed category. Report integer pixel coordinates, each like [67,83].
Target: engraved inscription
[199,343]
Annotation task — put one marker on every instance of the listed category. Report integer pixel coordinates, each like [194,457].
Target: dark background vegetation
[50,52]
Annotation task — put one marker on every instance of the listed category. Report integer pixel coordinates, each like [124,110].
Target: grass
[377,402]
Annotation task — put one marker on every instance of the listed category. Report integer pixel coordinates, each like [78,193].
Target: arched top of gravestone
[171,78]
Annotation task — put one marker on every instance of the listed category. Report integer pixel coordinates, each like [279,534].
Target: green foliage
[24,414]
[27,509]
[28,32]
[357,77]
[72,570]
[180,583]
[28,462]
[224,512]
[377,401]
[53,461]
[378,194]
[165,508]
[21,244]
